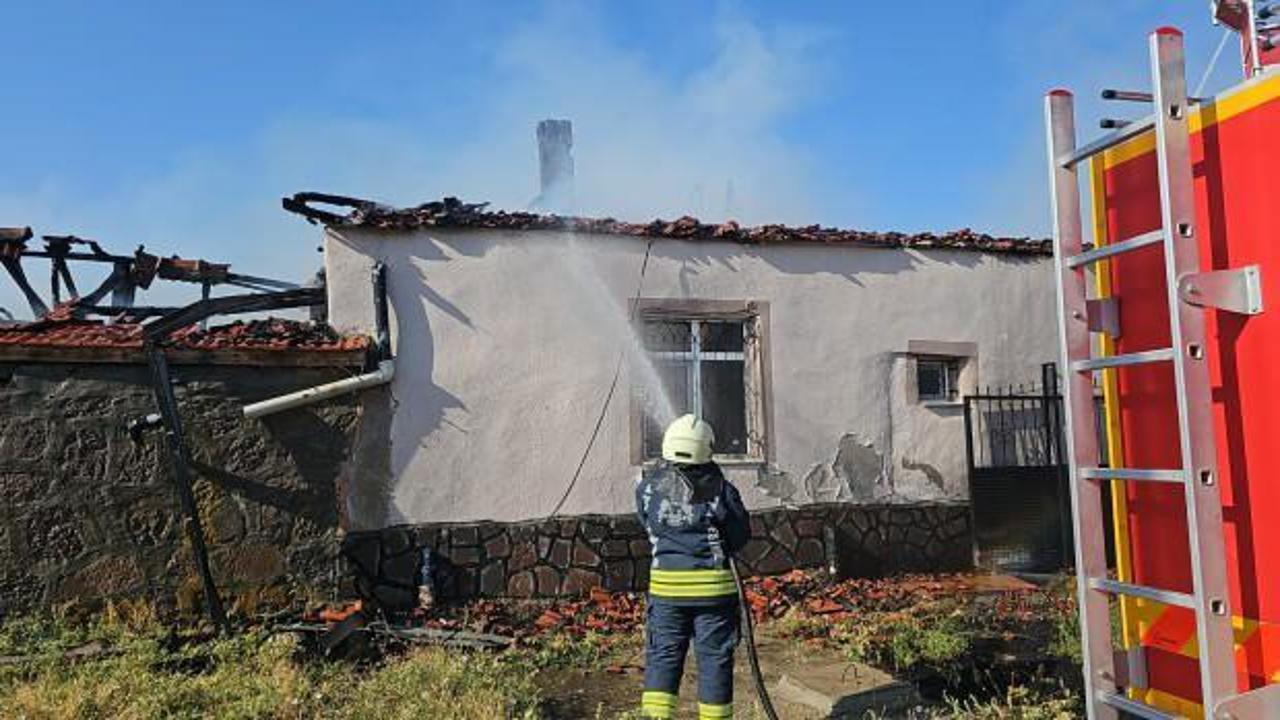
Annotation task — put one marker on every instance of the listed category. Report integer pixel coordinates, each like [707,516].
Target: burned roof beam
[120,274]
[83,257]
[13,243]
[18,235]
[62,244]
[180,462]
[60,275]
[254,283]
[301,203]
[128,273]
[231,305]
[132,311]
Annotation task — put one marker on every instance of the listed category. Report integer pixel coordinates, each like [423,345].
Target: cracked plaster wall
[505,351]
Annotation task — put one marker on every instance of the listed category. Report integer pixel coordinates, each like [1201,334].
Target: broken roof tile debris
[270,334]
[453,213]
[60,330]
[808,592]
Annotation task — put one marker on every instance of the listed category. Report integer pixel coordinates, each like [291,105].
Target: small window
[937,379]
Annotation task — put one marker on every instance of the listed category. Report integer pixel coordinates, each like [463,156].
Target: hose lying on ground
[749,630]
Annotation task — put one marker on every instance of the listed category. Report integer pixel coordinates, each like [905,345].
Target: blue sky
[180,125]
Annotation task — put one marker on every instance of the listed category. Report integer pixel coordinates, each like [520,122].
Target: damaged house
[538,356]
[502,382]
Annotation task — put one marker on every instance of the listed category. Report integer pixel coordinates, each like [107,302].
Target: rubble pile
[806,592]
[268,333]
[600,612]
[813,593]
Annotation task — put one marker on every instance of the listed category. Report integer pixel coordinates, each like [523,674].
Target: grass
[153,674]
[1019,702]
[937,631]
[562,650]
[932,634]
[997,653]
[144,669]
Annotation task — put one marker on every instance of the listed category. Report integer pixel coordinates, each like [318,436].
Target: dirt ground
[615,691]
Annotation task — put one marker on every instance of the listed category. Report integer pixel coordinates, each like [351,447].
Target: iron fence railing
[1016,426]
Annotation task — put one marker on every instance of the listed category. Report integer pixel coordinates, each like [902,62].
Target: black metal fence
[1018,476]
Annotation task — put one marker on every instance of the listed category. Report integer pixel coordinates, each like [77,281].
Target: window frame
[754,355]
[961,359]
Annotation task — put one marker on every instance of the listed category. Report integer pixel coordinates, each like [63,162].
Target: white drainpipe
[386,370]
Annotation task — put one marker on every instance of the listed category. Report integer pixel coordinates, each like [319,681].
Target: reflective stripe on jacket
[676,584]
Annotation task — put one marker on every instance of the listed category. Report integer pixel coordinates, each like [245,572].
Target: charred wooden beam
[180,463]
[230,305]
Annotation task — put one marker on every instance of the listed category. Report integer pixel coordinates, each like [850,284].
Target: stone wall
[569,556]
[86,513]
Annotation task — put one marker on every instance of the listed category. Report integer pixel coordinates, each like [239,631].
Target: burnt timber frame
[154,335]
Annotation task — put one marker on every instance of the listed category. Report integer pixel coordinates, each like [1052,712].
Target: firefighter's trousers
[713,630]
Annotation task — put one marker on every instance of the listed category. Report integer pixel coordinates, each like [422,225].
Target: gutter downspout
[383,375]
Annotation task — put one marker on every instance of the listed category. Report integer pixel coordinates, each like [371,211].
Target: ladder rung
[1108,141]
[1168,597]
[1133,707]
[1114,361]
[1111,249]
[1173,476]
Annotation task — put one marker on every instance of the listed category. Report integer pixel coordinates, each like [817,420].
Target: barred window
[708,367]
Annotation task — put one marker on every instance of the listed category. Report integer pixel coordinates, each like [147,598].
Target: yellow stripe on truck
[1242,98]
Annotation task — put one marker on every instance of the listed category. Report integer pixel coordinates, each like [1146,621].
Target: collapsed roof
[453,213]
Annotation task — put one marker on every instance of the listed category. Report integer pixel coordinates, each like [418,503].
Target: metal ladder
[1189,291]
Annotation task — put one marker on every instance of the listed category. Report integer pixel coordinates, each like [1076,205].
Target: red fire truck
[1165,315]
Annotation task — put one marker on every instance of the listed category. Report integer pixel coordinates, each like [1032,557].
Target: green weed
[150,674]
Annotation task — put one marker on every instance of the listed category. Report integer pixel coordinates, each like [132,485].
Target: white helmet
[688,441]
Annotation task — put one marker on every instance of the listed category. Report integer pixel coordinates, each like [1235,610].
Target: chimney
[555,165]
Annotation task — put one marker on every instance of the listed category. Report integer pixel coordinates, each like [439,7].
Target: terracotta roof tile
[453,213]
[269,334]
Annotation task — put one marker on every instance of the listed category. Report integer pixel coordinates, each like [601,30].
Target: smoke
[649,142]
[708,143]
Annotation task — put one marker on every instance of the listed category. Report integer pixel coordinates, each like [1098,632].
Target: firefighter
[696,522]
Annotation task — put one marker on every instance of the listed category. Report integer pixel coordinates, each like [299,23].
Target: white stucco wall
[506,343]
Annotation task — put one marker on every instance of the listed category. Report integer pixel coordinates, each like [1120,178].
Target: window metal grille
[702,365]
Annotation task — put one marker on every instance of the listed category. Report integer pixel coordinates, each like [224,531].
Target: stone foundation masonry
[569,556]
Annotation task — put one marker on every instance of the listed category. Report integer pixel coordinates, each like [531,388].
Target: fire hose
[748,629]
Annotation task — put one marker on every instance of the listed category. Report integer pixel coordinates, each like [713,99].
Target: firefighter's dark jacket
[696,521]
